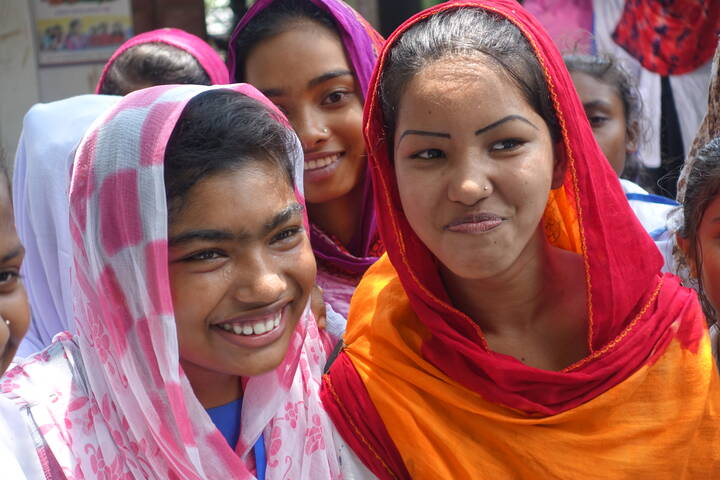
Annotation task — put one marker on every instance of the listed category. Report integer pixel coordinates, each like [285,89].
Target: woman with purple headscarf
[321,89]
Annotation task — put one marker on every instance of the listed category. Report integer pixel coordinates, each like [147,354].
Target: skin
[708,248]
[13,298]
[253,258]
[468,143]
[606,113]
[317,90]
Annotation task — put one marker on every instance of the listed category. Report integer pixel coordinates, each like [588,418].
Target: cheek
[711,272]
[301,268]
[420,195]
[189,307]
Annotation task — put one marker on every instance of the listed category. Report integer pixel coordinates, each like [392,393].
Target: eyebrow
[504,120]
[279,92]
[596,103]
[328,76]
[212,235]
[16,252]
[423,133]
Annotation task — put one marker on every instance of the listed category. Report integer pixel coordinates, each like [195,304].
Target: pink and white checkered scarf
[113,402]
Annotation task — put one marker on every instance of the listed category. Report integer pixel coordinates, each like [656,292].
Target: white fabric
[18,456]
[690,92]
[51,133]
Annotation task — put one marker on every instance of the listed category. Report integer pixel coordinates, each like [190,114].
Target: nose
[260,281]
[469,180]
[312,129]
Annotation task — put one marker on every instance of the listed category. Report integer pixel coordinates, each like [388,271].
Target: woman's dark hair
[703,186]
[273,20]
[462,32]
[152,63]
[222,130]
[607,69]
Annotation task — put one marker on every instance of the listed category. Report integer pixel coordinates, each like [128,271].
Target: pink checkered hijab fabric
[121,406]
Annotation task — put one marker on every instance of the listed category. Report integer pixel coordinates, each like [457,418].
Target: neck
[511,300]
[340,217]
[212,389]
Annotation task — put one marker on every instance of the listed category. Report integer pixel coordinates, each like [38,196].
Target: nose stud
[7,322]
[486,188]
[325,130]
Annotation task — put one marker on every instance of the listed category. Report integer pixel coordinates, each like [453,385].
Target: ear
[561,164]
[684,246]
[632,138]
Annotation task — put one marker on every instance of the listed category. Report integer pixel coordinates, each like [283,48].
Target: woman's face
[13,299]
[606,114]
[708,248]
[474,165]
[241,271]
[306,73]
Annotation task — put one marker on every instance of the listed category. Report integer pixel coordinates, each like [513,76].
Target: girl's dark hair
[222,130]
[152,63]
[608,70]
[703,185]
[273,20]
[461,32]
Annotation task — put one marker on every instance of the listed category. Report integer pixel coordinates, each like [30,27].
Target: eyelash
[516,143]
[286,234]
[202,256]
[343,94]
[13,277]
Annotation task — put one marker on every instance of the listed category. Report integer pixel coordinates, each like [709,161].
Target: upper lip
[475,218]
[316,155]
[257,314]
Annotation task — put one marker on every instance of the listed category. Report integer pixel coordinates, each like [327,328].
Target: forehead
[476,84]
[592,89]
[236,199]
[295,56]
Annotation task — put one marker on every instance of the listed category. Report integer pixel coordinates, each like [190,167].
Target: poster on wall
[80,31]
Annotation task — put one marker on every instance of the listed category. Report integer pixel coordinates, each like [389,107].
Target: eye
[597,120]
[286,234]
[429,154]
[8,278]
[335,97]
[204,256]
[506,145]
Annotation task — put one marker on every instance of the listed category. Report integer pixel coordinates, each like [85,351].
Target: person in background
[161,57]
[161,382]
[519,325]
[18,458]
[614,109]
[313,59]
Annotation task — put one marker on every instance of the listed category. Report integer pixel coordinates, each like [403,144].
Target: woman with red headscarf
[519,325]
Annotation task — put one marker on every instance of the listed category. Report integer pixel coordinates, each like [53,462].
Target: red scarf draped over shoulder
[416,391]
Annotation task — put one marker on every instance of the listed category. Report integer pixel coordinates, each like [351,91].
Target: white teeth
[320,162]
[259,328]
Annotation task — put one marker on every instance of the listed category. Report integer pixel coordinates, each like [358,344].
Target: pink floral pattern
[112,402]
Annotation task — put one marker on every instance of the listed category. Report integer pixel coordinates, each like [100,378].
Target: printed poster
[80,31]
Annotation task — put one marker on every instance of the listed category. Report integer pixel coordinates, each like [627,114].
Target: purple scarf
[362,45]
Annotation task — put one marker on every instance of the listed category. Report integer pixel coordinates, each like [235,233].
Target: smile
[321,162]
[476,223]
[256,331]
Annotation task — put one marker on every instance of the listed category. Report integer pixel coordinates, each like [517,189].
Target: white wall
[19,88]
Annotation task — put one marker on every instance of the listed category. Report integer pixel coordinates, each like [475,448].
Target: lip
[256,340]
[475,223]
[320,166]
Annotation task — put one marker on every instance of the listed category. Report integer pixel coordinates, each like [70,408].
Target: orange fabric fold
[660,422]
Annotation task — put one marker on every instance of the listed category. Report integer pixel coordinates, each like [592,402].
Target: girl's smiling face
[317,90]
[241,271]
[13,298]
[706,264]
[475,164]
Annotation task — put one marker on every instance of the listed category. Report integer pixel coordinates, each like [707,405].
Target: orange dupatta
[418,394]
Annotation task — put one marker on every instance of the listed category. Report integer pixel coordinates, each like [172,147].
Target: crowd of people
[343,256]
